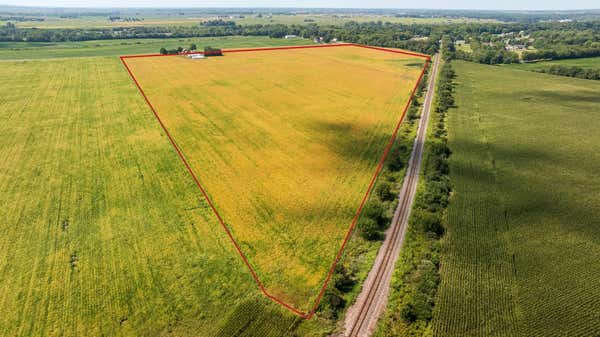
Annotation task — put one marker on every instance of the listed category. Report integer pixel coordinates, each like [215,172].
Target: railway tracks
[362,317]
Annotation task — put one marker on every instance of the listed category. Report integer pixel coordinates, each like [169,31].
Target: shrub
[343,279]
[376,210]
[395,160]
[384,191]
[369,229]
[331,303]
[429,221]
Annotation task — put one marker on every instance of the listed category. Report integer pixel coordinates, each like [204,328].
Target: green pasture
[585,63]
[46,50]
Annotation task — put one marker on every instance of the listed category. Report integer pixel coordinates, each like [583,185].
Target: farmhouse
[291,36]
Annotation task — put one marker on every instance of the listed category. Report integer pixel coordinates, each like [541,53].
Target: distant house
[291,36]
[506,34]
[196,56]
[515,47]
[334,40]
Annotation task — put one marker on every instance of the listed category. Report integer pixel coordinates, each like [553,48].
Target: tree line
[421,280]
[572,71]
[373,33]
[544,40]
[561,52]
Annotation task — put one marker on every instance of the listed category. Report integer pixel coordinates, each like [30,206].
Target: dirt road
[361,319]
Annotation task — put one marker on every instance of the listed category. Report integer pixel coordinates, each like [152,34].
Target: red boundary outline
[310,314]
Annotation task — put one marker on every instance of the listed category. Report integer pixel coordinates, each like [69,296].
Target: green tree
[369,229]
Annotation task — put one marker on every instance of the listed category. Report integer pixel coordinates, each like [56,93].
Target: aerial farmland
[262,169]
[299,172]
[143,235]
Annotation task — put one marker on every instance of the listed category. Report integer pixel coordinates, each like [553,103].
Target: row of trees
[571,71]
[177,50]
[218,23]
[208,50]
[561,52]
[422,280]
[374,33]
[416,282]
[552,40]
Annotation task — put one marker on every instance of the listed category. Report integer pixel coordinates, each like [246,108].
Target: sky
[436,4]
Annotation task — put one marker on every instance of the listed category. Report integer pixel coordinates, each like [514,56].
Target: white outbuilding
[196,56]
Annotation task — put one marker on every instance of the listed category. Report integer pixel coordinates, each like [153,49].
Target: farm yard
[285,143]
[521,256]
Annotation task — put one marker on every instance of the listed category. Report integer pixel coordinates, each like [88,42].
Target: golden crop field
[285,142]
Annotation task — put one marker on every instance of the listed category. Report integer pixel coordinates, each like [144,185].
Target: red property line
[311,313]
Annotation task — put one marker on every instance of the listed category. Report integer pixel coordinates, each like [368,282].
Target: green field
[521,256]
[103,234]
[328,19]
[585,63]
[44,50]
[190,20]
[464,47]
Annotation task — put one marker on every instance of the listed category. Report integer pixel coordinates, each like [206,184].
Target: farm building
[196,56]
[291,36]
[210,51]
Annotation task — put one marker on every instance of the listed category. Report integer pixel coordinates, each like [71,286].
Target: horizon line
[304,8]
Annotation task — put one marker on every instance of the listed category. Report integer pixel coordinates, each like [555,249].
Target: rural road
[361,319]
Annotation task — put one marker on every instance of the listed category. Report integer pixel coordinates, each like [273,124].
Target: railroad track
[362,317]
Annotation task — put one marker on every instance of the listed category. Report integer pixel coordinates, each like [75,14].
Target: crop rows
[521,254]
[102,232]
